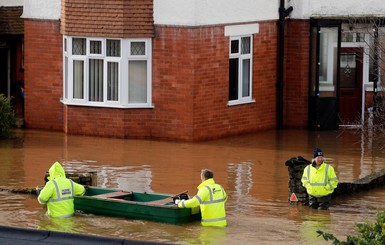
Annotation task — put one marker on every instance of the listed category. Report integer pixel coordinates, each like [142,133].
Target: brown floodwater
[251,168]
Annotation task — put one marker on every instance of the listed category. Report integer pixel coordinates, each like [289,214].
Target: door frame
[360,76]
[323,108]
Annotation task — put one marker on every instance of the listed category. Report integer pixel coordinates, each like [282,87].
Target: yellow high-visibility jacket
[59,192]
[211,198]
[319,182]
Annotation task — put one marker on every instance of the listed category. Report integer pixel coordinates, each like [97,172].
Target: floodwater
[251,168]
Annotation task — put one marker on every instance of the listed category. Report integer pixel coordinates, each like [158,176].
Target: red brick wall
[43,75]
[108,122]
[296,81]
[190,72]
[190,87]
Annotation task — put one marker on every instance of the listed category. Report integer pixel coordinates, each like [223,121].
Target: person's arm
[304,179]
[332,178]
[79,189]
[195,201]
[46,193]
[224,194]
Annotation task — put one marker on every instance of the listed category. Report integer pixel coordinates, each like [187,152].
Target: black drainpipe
[283,13]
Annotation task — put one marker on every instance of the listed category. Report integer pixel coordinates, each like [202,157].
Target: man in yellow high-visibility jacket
[211,198]
[320,180]
[58,193]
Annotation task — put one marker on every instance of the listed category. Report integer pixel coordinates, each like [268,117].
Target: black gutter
[283,13]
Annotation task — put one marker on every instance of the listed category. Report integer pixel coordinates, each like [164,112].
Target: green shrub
[7,116]
[373,234]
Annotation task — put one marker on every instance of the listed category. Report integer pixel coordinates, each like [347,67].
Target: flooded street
[251,168]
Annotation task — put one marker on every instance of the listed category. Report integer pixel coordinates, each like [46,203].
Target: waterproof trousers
[321,203]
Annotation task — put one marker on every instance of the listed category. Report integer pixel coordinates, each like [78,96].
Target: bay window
[107,72]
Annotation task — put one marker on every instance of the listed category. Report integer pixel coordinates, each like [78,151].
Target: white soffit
[239,30]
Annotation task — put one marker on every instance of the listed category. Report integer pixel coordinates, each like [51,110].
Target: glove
[38,190]
[177,201]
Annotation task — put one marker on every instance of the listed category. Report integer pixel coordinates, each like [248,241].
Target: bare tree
[371,30]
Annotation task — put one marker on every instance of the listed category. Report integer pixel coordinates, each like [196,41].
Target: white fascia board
[213,12]
[42,9]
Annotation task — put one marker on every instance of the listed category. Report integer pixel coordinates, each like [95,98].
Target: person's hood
[56,171]
[206,182]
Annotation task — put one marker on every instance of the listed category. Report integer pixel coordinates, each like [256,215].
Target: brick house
[196,70]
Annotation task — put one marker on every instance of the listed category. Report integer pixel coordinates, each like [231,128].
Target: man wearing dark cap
[320,180]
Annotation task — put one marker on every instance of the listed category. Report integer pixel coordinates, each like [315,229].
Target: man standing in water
[58,193]
[211,198]
[320,180]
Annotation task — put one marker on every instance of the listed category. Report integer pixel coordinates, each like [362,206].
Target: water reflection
[250,168]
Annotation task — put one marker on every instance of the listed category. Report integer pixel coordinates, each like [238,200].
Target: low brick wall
[296,166]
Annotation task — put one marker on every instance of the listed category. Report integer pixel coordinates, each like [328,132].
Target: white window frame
[122,61]
[242,99]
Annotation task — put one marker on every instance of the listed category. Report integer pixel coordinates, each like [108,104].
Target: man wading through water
[58,193]
[211,198]
[320,180]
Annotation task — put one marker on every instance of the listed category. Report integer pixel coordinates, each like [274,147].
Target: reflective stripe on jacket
[211,198]
[319,182]
[59,192]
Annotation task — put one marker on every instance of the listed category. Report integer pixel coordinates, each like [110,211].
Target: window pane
[78,77]
[79,46]
[348,75]
[246,78]
[113,81]
[113,48]
[95,80]
[328,61]
[347,37]
[245,43]
[233,79]
[234,46]
[95,47]
[137,81]
[138,48]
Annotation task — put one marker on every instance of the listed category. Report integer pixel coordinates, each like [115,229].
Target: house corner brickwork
[189,76]
[43,59]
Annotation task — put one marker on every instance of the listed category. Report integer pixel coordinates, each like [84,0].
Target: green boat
[134,205]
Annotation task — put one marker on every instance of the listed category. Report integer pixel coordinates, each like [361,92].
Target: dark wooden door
[350,86]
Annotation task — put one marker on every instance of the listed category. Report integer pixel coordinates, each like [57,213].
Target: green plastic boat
[134,205]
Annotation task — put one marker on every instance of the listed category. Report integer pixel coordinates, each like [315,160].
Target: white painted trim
[123,73]
[239,30]
[240,102]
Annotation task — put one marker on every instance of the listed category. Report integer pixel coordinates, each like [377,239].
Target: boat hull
[134,205]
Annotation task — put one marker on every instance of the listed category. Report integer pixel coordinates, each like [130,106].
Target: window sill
[240,102]
[133,106]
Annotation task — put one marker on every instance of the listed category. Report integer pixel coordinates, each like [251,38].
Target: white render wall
[212,12]
[11,3]
[304,9]
[42,9]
